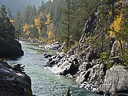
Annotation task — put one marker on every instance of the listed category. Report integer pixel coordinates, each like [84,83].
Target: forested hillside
[63,21]
[60,20]
[14,5]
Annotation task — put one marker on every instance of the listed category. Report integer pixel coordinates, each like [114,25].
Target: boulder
[85,66]
[61,54]
[47,55]
[50,63]
[10,49]
[97,74]
[114,49]
[83,76]
[74,59]
[69,76]
[68,67]
[88,87]
[14,83]
[94,75]
[116,80]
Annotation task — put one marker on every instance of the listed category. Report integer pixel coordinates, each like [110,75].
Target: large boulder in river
[116,80]
[9,47]
[13,83]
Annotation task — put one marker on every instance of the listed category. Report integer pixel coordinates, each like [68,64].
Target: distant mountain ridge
[14,5]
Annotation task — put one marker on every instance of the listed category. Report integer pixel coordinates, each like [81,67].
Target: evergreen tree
[42,7]
[10,14]
[67,21]
[27,15]
[17,24]
[6,25]
[3,12]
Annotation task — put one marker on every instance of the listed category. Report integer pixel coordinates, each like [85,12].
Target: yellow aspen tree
[50,29]
[48,19]
[26,29]
[38,24]
[116,25]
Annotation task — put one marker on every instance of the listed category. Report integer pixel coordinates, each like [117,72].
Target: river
[44,82]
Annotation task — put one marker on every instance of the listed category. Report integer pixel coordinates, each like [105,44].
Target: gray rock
[74,59]
[68,67]
[69,76]
[88,87]
[14,83]
[61,54]
[116,80]
[97,74]
[114,49]
[85,66]
[94,75]
[83,76]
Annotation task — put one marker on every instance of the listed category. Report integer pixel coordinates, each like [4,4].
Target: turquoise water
[45,83]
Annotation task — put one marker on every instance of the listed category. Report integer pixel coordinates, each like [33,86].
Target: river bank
[92,76]
[44,82]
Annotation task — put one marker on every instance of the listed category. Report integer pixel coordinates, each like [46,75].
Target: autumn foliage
[40,22]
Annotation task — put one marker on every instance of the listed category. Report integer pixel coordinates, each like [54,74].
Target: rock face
[9,47]
[13,83]
[116,80]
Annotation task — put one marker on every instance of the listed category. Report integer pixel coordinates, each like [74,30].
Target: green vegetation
[19,68]
[117,29]
[60,20]
[6,26]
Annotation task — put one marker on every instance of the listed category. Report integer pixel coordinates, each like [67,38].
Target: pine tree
[10,14]
[42,7]
[66,19]
[3,12]
[6,25]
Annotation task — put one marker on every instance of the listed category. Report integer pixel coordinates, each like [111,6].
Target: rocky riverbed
[93,76]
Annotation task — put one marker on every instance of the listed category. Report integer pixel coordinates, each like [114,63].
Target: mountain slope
[14,5]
